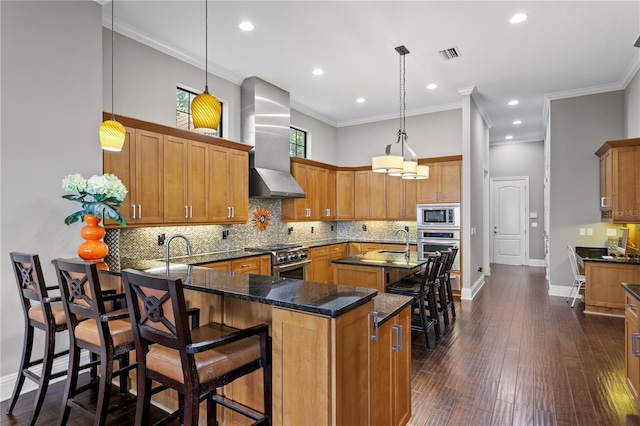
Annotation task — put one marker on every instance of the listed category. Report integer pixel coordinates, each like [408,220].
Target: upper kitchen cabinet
[345,194]
[444,183]
[318,181]
[619,181]
[401,198]
[186,183]
[370,195]
[229,185]
[140,167]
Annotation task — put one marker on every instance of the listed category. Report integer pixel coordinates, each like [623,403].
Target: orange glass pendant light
[111,133]
[206,108]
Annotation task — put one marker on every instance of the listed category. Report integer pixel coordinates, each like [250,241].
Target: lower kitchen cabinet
[632,335]
[391,372]
[260,265]
[320,269]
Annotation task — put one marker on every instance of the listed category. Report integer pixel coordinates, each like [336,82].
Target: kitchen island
[321,342]
[376,269]
[603,293]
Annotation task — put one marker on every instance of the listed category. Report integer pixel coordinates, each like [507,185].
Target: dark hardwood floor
[513,356]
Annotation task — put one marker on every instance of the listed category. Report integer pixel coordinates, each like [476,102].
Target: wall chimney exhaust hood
[265,118]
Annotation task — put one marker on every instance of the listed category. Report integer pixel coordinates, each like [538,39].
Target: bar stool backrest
[31,285]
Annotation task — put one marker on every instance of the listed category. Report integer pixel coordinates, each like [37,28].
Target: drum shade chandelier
[398,165]
[111,133]
[205,108]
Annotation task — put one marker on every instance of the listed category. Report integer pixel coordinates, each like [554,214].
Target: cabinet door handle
[397,331]
[191,212]
[602,202]
[374,337]
[186,212]
[139,211]
[233,211]
[133,208]
[228,212]
[634,344]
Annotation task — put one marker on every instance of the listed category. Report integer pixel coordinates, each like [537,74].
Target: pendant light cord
[112,59]
[206,46]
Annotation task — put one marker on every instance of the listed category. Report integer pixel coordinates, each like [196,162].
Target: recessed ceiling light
[517,122]
[246,26]
[514,102]
[432,86]
[508,137]
[317,71]
[361,100]
[517,18]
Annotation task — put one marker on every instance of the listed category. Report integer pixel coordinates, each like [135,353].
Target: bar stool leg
[26,357]
[70,386]
[45,375]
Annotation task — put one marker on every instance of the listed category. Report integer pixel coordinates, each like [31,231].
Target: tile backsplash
[142,243]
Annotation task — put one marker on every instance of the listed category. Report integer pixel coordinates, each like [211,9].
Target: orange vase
[93,249]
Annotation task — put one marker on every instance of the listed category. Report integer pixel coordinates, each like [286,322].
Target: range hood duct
[265,118]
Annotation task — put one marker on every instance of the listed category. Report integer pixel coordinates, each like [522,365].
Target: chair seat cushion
[210,364]
[36,313]
[120,332]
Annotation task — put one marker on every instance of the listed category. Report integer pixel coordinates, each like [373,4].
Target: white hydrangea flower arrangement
[99,196]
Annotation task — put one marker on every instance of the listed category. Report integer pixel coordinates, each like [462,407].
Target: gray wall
[145,83]
[578,127]
[51,111]
[524,159]
[322,146]
[479,133]
[632,108]
[430,135]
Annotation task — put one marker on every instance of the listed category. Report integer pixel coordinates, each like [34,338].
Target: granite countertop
[632,289]
[300,295]
[384,259]
[388,305]
[595,254]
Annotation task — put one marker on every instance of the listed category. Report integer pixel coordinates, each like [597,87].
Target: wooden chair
[91,327]
[449,267]
[47,316]
[194,363]
[441,287]
[424,314]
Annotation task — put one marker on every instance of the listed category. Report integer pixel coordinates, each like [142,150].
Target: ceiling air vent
[450,53]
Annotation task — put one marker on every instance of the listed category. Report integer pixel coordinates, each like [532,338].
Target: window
[184,120]
[298,143]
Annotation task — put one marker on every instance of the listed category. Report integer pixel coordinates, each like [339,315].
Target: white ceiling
[563,49]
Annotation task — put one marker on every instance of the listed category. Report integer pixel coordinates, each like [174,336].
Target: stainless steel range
[287,260]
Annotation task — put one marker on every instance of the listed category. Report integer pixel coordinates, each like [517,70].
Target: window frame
[292,143]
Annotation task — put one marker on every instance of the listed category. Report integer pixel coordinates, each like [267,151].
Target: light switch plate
[611,232]
[534,224]
[589,231]
[533,215]
[583,231]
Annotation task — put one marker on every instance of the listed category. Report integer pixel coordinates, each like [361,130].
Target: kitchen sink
[391,252]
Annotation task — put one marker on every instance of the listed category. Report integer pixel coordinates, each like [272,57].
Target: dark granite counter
[321,243]
[383,258]
[388,305]
[632,289]
[597,254]
[305,296]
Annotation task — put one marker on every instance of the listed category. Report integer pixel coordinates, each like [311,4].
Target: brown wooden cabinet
[186,180]
[401,197]
[391,371]
[345,195]
[619,181]
[370,195]
[603,293]
[321,269]
[632,335]
[307,208]
[444,183]
[326,191]
[140,168]
[260,265]
[229,185]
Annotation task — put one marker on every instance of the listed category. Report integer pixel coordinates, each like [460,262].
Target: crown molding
[311,113]
[515,142]
[477,99]
[170,50]
[394,116]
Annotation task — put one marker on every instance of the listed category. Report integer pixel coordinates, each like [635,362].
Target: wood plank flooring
[513,356]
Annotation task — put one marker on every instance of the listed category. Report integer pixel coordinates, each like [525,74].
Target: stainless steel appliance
[288,261]
[432,240]
[438,215]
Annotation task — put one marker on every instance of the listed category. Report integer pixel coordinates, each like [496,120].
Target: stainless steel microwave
[438,215]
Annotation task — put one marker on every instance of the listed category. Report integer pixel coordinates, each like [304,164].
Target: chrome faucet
[406,248]
[189,252]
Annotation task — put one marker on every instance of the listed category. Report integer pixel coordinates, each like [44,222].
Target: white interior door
[510,220]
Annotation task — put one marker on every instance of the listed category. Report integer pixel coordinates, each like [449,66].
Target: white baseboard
[537,262]
[469,293]
[8,382]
